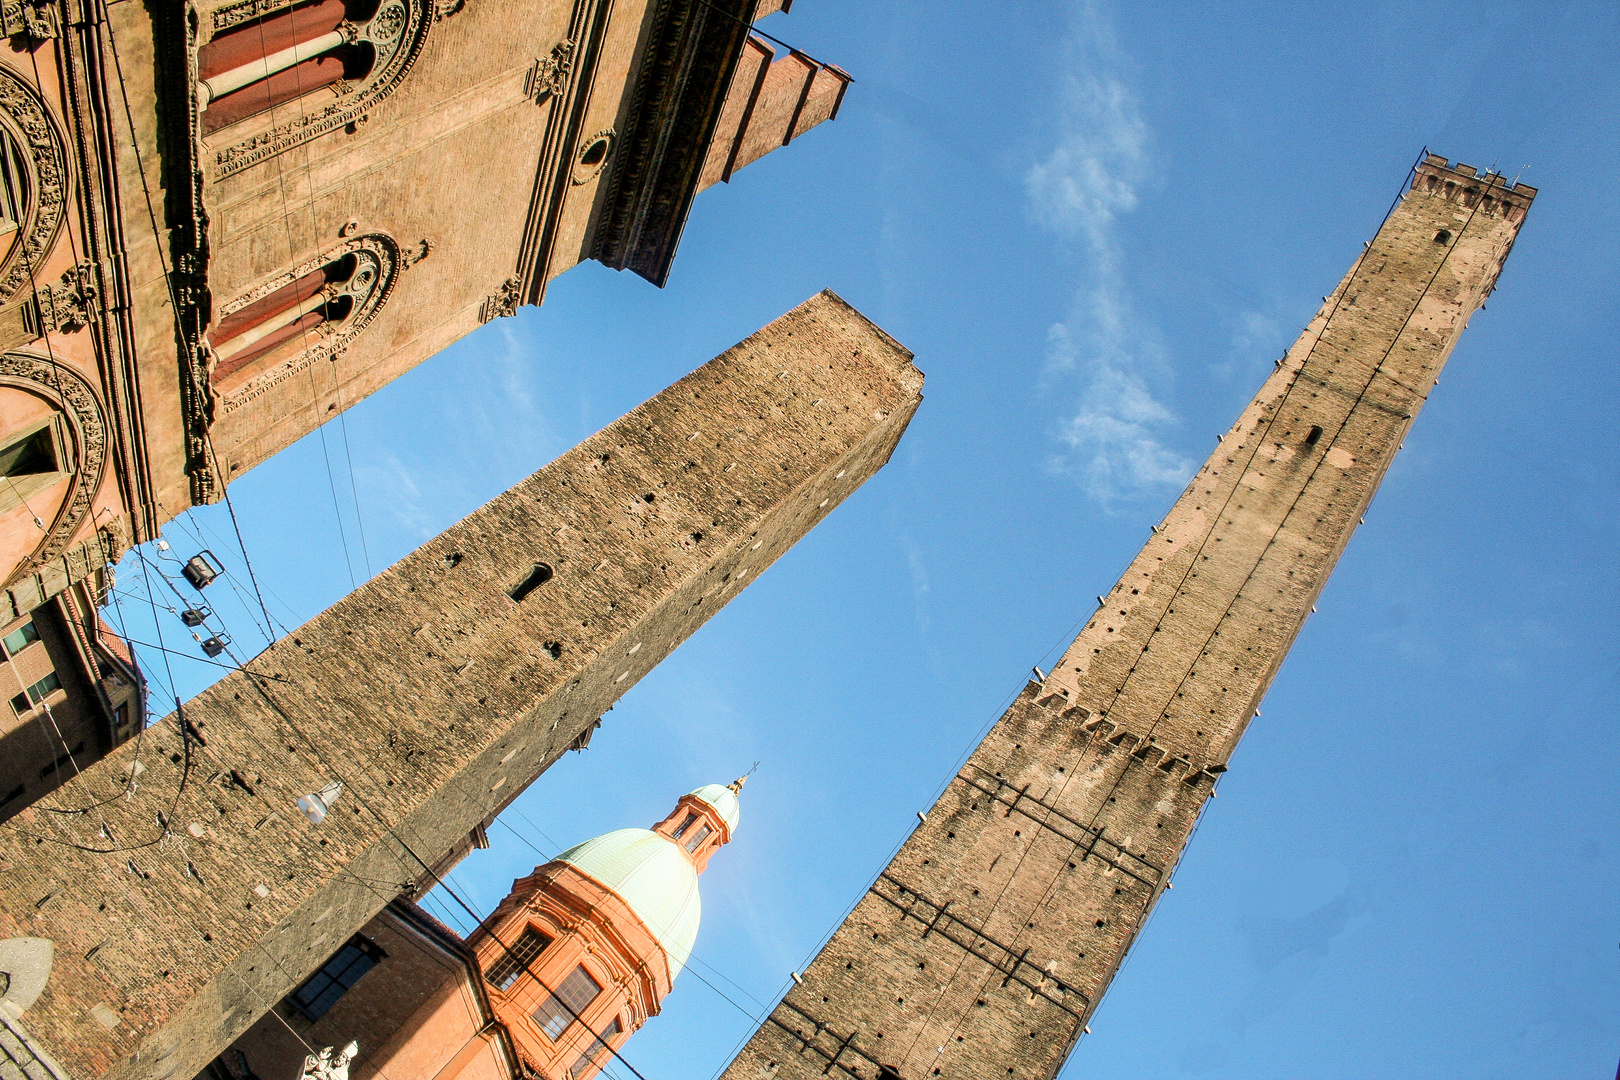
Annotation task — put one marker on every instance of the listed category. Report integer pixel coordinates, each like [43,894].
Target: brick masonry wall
[181,913]
[983,948]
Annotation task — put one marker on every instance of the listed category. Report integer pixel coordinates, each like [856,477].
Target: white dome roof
[725,802]
[652,875]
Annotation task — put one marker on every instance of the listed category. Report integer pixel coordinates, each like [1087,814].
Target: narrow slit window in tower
[535,578]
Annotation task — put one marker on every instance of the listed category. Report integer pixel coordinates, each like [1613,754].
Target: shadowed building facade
[292,801]
[983,948]
[223,222]
[72,691]
[579,955]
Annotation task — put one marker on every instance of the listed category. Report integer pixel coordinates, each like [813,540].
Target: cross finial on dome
[736,786]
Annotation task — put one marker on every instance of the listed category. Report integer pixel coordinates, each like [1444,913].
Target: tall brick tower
[984,946]
[146,925]
[224,222]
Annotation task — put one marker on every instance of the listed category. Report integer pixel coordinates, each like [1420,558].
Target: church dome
[654,877]
[725,802]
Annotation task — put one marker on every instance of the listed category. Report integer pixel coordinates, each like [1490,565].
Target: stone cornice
[680,88]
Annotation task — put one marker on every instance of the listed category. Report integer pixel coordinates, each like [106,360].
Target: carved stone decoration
[378,262]
[236,14]
[595,152]
[415,254]
[44,155]
[397,33]
[73,395]
[503,304]
[67,305]
[31,17]
[549,75]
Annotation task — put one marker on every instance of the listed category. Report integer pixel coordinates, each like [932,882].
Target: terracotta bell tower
[583,950]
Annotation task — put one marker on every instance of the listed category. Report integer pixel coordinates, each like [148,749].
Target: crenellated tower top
[1489,191]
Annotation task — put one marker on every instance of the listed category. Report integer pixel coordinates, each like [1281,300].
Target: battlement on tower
[1490,192]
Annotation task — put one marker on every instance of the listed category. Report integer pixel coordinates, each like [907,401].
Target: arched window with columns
[332,59]
[301,315]
[273,60]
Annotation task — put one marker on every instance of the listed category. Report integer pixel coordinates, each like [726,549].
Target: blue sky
[1097,226]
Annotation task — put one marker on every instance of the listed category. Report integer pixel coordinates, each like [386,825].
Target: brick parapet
[182,912]
[983,948]
[1493,193]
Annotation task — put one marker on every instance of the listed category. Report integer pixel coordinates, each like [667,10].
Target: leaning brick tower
[983,948]
[154,907]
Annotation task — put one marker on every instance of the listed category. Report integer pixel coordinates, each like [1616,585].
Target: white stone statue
[326,1066]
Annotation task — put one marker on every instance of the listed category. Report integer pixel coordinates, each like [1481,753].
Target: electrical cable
[130,780]
[202,526]
[359,522]
[225,490]
[336,510]
[51,353]
[185,763]
[118,613]
[514,809]
[511,955]
[234,585]
[328,770]
[205,660]
[157,234]
[187,524]
[39,522]
[692,956]
[263,688]
[190,869]
[360,798]
[304,332]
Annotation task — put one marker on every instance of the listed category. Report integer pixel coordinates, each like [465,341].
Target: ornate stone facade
[27,120]
[74,400]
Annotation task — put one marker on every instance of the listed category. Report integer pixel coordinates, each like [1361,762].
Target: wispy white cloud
[920,586]
[1113,442]
[394,484]
[1103,150]
[1257,339]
